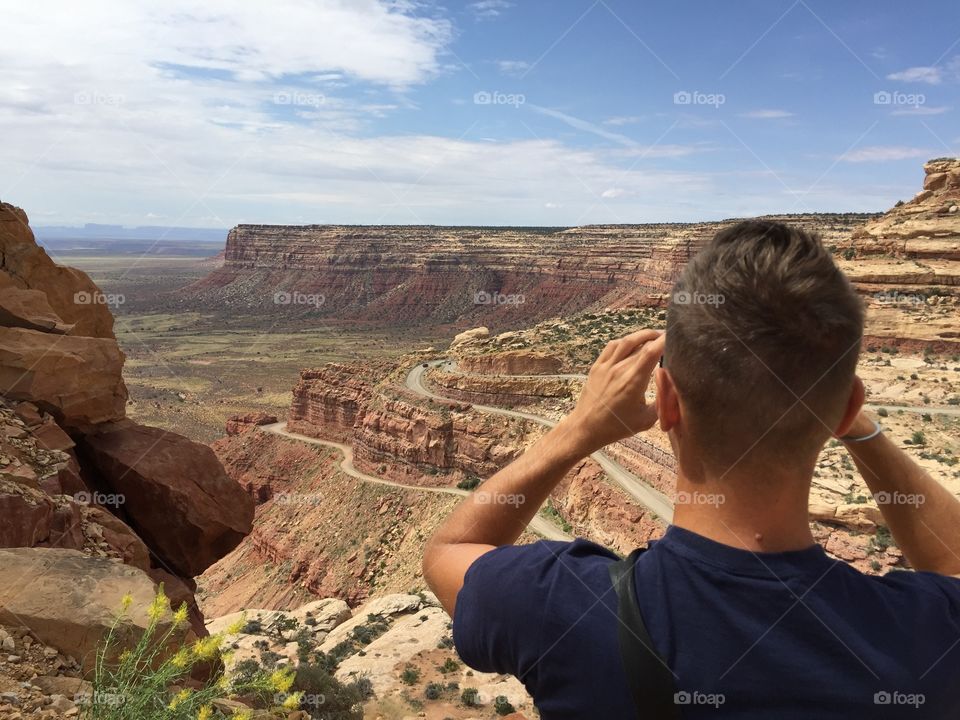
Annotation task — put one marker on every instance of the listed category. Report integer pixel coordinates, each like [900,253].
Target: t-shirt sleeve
[500,609]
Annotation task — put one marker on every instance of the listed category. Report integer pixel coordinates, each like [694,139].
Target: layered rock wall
[407,275]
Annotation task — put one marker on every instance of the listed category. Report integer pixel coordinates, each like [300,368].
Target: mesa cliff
[457,275]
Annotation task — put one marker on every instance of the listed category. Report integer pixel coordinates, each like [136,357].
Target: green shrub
[321,695]
[470,697]
[449,665]
[410,675]
[882,412]
[433,691]
[502,705]
[469,482]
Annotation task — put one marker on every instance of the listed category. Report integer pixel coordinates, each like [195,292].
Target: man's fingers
[645,359]
[626,346]
[607,351]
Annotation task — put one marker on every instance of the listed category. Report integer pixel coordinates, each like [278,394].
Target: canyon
[311,508]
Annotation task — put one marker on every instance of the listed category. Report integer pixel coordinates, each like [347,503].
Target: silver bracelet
[877,429]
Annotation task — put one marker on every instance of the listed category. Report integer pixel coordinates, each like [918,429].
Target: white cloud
[623,120]
[487,9]
[880,153]
[929,75]
[513,67]
[921,110]
[766,114]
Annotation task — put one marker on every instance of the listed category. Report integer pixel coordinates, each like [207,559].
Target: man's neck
[772,516]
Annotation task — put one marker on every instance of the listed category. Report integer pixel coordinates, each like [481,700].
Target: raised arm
[923,516]
[611,407]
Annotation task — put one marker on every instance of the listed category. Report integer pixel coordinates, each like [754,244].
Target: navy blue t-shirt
[793,635]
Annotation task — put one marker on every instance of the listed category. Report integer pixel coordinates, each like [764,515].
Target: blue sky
[472,112]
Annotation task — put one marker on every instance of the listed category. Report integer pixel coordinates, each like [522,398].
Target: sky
[492,112]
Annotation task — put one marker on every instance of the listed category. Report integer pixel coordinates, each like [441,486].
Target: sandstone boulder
[176,494]
[27,308]
[71,294]
[386,606]
[70,601]
[77,379]
[478,333]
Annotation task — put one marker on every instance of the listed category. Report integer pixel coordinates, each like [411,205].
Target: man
[749,614]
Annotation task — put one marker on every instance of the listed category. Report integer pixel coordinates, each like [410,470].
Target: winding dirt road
[539,524]
[647,496]
[640,491]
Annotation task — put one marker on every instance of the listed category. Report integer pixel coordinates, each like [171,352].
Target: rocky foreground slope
[92,505]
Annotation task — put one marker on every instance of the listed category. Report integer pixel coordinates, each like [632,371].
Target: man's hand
[613,405]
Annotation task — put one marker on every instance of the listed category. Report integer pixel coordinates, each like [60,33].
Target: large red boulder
[76,379]
[175,493]
[73,297]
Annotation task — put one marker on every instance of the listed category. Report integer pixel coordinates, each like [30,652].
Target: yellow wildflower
[237,626]
[179,698]
[159,607]
[180,616]
[242,714]
[126,602]
[207,647]
[292,701]
[281,680]
[206,712]
[181,659]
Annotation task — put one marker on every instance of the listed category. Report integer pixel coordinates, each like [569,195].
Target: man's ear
[854,405]
[668,402]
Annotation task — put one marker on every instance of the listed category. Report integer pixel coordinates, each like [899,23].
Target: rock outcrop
[237,424]
[332,399]
[397,645]
[77,379]
[57,348]
[512,362]
[176,493]
[70,601]
[907,264]
[926,226]
[73,297]
[126,501]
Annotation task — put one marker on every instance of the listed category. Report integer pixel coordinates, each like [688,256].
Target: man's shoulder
[542,559]
[907,587]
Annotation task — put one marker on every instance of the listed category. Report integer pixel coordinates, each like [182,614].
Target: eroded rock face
[241,423]
[176,493]
[332,399]
[70,293]
[467,276]
[57,348]
[77,379]
[70,601]
[928,225]
[448,438]
[512,362]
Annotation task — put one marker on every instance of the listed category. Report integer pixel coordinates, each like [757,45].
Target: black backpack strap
[648,675]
